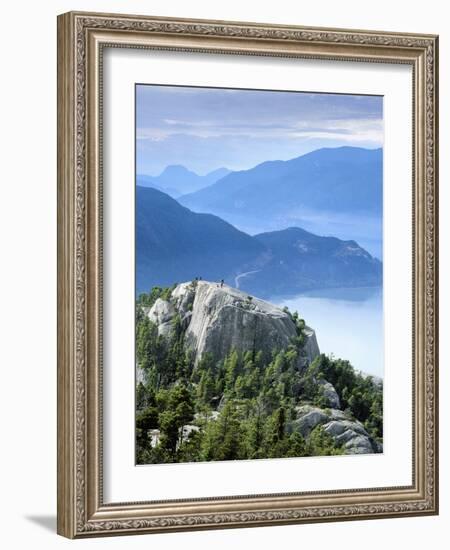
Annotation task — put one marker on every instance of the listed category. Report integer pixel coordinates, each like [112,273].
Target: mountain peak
[176,170]
[219,319]
[342,152]
[218,173]
[173,243]
[328,182]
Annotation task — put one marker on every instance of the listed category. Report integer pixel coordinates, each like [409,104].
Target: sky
[207,128]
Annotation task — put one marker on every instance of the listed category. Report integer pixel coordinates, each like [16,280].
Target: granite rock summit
[217,318]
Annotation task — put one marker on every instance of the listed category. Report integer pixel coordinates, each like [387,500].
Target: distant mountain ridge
[339,179]
[177,180]
[334,191]
[301,261]
[174,244]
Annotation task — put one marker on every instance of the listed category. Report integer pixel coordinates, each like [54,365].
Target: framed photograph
[247,274]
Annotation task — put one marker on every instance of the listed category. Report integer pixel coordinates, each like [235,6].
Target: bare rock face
[218,318]
[330,394]
[350,434]
[311,345]
[308,419]
[162,314]
[347,432]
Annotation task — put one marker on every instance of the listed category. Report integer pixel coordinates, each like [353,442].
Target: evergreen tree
[223,439]
[231,368]
[320,443]
[243,406]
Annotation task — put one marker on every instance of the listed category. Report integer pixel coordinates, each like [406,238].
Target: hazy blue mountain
[150,181]
[174,244]
[177,180]
[329,191]
[340,179]
[215,175]
[301,261]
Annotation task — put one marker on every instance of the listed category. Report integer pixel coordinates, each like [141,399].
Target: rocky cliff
[218,318]
[215,319]
[346,431]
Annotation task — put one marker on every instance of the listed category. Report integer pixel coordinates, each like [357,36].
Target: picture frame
[82,40]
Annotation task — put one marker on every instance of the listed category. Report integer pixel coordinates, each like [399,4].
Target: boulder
[161,313]
[337,428]
[140,376]
[309,421]
[351,434]
[308,417]
[183,297]
[336,414]
[330,394]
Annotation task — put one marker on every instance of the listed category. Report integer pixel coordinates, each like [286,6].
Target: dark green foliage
[241,407]
[147,419]
[147,300]
[321,444]
[224,438]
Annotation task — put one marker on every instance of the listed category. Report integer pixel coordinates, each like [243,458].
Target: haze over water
[348,323]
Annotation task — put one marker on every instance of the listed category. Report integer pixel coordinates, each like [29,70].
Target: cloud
[356,130]
[204,128]
[349,130]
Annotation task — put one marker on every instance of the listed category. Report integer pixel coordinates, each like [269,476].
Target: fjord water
[348,323]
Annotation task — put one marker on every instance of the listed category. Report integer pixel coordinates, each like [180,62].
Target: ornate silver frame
[81,39]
